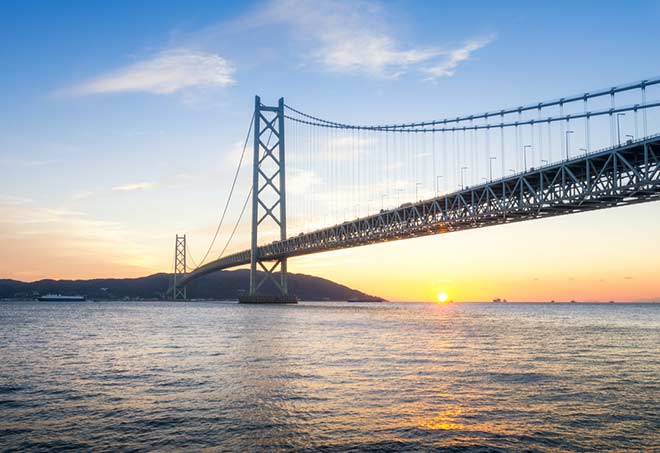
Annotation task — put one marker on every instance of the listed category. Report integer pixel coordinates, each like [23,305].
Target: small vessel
[499,301]
[61,298]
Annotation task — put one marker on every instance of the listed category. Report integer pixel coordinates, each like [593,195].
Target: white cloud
[82,195]
[447,68]
[301,181]
[348,37]
[165,73]
[354,37]
[134,186]
[372,54]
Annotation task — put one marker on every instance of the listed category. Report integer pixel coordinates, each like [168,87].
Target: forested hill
[220,285]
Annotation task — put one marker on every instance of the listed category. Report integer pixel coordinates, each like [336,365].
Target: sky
[122,123]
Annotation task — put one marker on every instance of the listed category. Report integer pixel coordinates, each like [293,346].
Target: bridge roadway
[617,176]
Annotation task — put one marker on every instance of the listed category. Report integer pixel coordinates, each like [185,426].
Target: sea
[324,376]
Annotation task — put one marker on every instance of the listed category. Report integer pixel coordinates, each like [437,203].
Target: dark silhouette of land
[224,285]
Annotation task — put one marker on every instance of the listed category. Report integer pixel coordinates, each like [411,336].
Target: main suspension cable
[238,221]
[436,125]
[189,255]
[231,191]
[523,108]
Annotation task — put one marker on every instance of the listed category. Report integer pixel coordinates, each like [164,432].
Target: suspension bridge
[353,185]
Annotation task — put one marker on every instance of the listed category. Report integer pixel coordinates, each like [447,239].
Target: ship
[363,299]
[61,298]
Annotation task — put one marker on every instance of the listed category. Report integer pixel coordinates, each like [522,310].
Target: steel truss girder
[617,176]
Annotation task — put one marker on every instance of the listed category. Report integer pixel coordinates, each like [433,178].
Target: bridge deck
[616,176]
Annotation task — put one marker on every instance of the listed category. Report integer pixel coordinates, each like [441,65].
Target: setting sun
[442,297]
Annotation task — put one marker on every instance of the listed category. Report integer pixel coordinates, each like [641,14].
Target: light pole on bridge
[618,127]
[490,166]
[462,174]
[417,184]
[567,148]
[398,196]
[437,184]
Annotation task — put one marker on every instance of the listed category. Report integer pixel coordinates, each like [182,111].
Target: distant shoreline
[8,299]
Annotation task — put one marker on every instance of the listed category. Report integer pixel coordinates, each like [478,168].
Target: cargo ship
[61,298]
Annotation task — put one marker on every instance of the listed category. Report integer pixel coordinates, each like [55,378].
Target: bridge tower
[268,199]
[179,267]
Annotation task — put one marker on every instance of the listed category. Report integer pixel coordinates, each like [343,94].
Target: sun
[442,297]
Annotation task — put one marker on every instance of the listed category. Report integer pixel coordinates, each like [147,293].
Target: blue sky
[121,120]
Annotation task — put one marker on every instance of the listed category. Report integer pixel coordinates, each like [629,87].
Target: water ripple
[329,377]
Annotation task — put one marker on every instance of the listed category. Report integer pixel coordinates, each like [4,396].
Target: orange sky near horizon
[529,261]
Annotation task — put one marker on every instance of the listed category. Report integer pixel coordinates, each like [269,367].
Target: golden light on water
[442,297]
[447,420]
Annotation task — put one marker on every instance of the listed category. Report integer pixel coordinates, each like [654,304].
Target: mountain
[220,285]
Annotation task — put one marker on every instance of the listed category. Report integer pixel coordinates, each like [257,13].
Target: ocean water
[165,376]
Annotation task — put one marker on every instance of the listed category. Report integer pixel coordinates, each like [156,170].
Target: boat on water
[61,298]
[357,299]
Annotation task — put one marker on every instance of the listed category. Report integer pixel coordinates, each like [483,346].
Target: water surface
[329,376]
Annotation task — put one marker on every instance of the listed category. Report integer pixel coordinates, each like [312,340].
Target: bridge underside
[617,176]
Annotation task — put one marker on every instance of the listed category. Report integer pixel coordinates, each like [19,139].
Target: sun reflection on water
[447,420]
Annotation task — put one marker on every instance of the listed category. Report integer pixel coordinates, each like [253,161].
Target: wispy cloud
[165,73]
[59,242]
[10,200]
[82,195]
[145,185]
[447,68]
[355,38]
